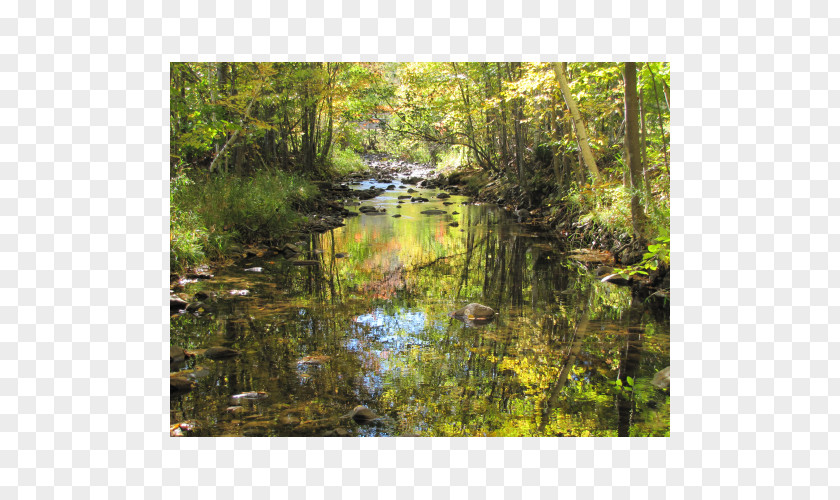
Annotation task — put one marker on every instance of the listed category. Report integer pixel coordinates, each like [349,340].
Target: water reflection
[375,308]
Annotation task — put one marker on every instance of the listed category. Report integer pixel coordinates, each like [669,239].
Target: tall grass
[208,216]
[345,161]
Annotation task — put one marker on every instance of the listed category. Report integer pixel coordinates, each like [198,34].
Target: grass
[209,216]
[345,161]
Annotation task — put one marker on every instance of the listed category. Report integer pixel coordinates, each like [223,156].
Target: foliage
[658,253]
[188,237]
[211,214]
[345,161]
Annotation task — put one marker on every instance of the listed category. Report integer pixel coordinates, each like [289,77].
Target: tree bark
[631,115]
[644,148]
[580,127]
[659,114]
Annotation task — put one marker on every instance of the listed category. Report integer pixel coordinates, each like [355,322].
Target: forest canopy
[584,145]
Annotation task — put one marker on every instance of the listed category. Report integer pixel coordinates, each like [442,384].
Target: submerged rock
[180,385]
[474,311]
[313,360]
[433,212]
[177,354]
[218,352]
[361,414]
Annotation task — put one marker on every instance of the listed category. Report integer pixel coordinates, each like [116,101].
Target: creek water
[368,324]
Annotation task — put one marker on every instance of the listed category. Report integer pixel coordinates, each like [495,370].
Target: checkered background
[83,274]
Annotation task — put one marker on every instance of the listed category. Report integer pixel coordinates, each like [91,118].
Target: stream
[361,317]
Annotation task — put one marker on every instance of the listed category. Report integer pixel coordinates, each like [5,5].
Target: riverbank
[323,205]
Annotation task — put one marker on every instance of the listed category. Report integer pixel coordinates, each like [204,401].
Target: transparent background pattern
[84,223]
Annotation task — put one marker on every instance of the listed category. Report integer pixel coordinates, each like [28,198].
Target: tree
[580,126]
[631,113]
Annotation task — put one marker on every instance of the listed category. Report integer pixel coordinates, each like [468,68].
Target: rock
[201,295]
[404,197]
[288,420]
[662,378]
[474,311]
[419,199]
[194,306]
[254,270]
[180,385]
[447,203]
[177,304]
[368,208]
[603,270]
[442,196]
[374,213]
[396,216]
[176,354]
[433,212]
[340,255]
[454,213]
[288,250]
[361,414]
[219,352]
[453,224]
[390,186]
[616,279]
[199,276]
[313,360]
[340,432]
[250,395]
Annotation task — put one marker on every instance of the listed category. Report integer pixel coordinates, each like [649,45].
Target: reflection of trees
[571,358]
[544,370]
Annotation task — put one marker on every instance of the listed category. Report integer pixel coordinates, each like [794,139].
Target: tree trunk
[644,149]
[659,114]
[580,127]
[631,115]
[554,135]
[503,136]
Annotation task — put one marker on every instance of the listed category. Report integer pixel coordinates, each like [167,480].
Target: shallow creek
[368,324]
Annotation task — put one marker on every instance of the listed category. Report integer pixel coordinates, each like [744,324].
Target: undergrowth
[345,162]
[208,216]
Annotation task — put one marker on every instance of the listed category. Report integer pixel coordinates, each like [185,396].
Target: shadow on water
[566,355]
